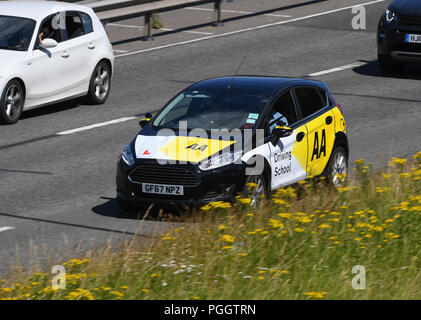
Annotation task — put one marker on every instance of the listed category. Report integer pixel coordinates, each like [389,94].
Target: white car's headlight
[221,160]
[390,15]
[127,155]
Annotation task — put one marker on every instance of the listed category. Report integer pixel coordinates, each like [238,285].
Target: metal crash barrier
[117,10]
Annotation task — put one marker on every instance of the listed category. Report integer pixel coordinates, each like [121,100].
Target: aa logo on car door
[321,136]
[319,145]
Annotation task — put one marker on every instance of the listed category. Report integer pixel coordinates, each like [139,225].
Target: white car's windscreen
[15,33]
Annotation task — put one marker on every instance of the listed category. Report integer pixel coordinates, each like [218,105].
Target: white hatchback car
[50,52]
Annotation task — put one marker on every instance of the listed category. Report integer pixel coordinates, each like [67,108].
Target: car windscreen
[213,109]
[15,33]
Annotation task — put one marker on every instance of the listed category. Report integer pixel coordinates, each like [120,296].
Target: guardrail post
[148,27]
[217,14]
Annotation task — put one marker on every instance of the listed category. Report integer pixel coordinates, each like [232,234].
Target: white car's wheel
[100,84]
[11,104]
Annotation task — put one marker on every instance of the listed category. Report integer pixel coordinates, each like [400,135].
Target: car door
[315,111]
[80,45]
[45,76]
[288,158]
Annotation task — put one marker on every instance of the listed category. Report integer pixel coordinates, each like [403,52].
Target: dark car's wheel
[12,101]
[390,66]
[337,167]
[100,84]
[255,189]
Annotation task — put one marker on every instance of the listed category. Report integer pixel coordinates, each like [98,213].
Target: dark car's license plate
[162,189]
[413,38]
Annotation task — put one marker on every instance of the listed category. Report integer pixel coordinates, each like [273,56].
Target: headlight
[127,155]
[390,15]
[220,160]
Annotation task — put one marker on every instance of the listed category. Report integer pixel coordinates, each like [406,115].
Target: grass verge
[292,247]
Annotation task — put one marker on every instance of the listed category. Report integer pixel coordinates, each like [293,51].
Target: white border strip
[247,29]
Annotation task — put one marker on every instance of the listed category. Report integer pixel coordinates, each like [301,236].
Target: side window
[74,25]
[87,22]
[324,96]
[50,28]
[310,100]
[282,110]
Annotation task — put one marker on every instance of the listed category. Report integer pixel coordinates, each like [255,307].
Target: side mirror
[48,43]
[143,122]
[280,132]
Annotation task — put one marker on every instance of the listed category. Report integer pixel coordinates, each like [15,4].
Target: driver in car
[46,32]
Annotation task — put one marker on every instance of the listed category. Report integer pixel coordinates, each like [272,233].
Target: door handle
[91,46]
[300,136]
[65,54]
[329,120]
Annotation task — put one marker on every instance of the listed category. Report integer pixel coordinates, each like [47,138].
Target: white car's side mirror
[48,43]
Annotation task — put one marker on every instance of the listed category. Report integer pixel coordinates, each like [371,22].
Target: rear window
[87,22]
[310,100]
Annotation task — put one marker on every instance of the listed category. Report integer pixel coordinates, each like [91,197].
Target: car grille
[410,20]
[164,175]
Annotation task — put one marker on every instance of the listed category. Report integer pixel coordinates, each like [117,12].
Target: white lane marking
[96,125]
[6,228]
[348,66]
[248,29]
[198,32]
[239,12]
[122,51]
[162,29]
[277,15]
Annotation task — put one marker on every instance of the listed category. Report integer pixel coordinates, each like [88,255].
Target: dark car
[399,35]
[206,143]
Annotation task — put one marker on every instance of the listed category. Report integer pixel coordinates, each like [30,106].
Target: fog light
[228,190]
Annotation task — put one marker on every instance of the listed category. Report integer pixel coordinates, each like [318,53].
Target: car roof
[36,9]
[260,84]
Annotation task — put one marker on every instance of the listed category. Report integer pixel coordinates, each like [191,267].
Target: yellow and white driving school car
[213,138]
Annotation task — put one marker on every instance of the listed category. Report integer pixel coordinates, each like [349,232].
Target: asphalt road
[57,192]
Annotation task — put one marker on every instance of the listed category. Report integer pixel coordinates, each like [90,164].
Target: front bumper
[220,184]
[391,41]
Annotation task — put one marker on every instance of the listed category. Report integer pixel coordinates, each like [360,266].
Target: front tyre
[130,207]
[338,167]
[126,206]
[389,66]
[11,103]
[100,84]
[255,189]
